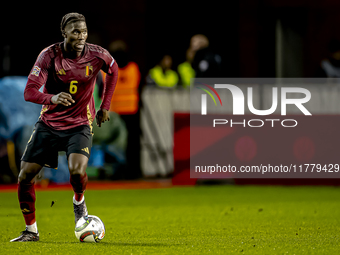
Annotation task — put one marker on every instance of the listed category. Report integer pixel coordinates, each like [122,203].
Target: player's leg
[77,164]
[41,149]
[78,145]
[26,195]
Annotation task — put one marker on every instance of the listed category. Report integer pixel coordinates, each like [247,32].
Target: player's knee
[25,176]
[77,169]
[22,176]
[28,172]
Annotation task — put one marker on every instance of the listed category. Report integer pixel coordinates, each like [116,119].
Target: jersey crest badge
[88,70]
[36,71]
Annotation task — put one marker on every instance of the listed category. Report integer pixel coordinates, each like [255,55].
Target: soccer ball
[90,229]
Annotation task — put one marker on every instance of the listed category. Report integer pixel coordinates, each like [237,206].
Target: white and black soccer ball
[90,229]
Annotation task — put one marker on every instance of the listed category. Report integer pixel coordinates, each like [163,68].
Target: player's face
[75,36]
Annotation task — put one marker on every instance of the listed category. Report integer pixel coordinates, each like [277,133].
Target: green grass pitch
[187,220]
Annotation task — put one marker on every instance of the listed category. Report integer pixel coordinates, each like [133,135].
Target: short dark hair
[70,17]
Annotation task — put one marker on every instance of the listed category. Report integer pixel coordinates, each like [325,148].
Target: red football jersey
[74,76]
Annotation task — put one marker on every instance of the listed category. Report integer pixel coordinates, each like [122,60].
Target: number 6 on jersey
[73,87]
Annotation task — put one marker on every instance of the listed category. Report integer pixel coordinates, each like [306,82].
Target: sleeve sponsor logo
[36,71]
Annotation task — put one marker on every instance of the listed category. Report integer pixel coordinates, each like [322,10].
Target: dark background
[242,32]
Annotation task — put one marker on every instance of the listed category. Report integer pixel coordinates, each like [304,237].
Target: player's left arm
[109,87]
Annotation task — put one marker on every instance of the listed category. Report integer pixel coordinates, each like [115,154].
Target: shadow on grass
[140,244]
[115,244]
[50,242]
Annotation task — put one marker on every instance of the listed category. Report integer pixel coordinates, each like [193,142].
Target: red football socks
[26,195]
[78,183]
[78,196]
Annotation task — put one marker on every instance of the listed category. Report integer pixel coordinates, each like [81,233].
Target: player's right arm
[38,78]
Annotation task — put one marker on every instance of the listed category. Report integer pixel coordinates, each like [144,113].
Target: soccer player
[68,70]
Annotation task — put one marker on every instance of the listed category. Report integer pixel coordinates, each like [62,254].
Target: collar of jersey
[65,63]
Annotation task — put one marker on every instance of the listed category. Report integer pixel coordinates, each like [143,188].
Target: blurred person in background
[126,97]
[206,62]
[162,75]
[68,71]
[108,152]
[330,66]
[185,70]
[125,106]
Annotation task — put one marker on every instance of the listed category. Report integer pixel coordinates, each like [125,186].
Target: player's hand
[102,116]
[62,98]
